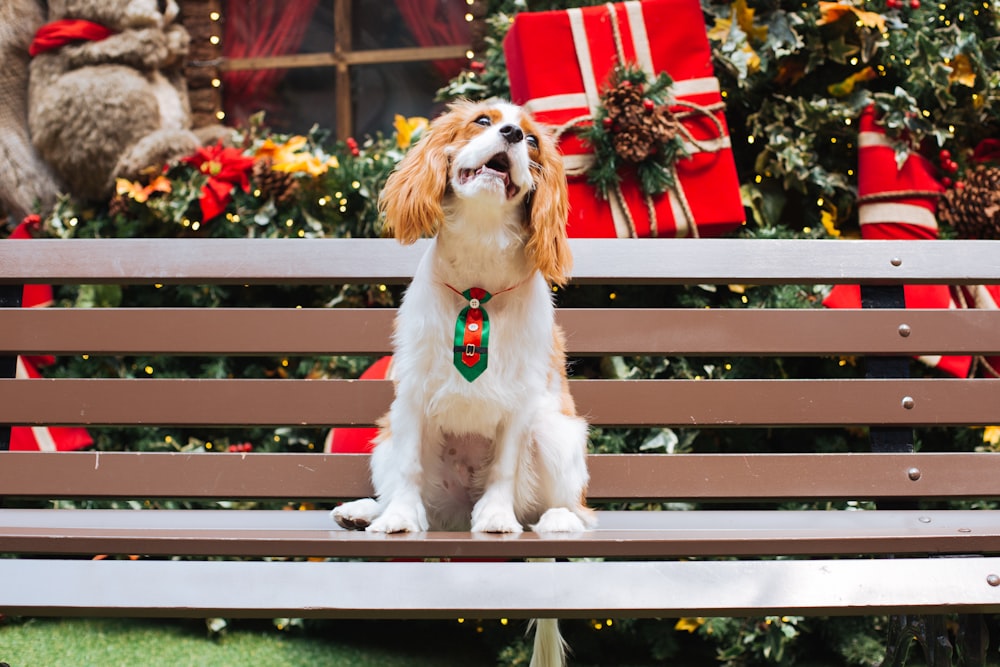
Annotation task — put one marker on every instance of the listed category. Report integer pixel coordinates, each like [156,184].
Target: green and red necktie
[472,333]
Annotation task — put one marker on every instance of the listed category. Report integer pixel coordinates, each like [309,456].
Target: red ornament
[352,146]
[607,122]
[914,4]
[648,105]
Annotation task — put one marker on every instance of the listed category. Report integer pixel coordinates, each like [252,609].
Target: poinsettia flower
[961,71]
[689,624]
[409,129]
[226,168]
[742,15]
[138,192]
[831,12]
[290,157]
[846,87]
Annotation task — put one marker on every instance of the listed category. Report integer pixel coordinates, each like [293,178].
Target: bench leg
[973,640]
[10,297]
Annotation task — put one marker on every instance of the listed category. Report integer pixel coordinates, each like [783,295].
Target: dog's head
[484,156]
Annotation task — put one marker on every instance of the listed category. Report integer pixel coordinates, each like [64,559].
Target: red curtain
[277,27]
[255,29]
[438,23]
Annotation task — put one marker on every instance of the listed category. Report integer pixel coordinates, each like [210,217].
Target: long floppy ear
[548,209]
[412,196]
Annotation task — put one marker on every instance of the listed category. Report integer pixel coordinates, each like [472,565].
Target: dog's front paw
[495,519]
[356,515]
[559,520]
[400,519]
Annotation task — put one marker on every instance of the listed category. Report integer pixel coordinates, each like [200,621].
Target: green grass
[151,643]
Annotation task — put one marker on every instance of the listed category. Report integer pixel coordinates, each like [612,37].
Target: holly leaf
[839,50]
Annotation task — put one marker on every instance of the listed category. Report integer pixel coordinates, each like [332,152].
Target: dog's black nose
[512,133]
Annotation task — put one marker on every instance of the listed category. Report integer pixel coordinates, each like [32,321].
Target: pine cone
[632,146]
[280,186]
[974,210]
[639,127]
[118,205]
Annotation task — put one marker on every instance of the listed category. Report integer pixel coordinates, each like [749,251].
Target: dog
[482,433]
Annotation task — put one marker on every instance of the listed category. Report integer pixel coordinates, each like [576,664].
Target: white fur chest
[517,355]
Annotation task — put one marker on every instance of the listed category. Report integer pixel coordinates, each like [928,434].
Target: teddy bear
[26,182]
[106,96]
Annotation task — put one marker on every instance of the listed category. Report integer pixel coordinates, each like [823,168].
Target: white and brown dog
[483,432]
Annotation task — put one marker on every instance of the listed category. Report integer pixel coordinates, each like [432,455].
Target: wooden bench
[713,561]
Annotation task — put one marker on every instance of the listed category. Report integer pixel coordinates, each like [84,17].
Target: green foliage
[330,190]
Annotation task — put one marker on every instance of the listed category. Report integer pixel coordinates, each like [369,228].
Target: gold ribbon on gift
[590,99]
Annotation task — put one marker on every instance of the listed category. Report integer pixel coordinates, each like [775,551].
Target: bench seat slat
[188,402]
[498,590]
[625,534]
[632,477]
[602,261]
[728,332]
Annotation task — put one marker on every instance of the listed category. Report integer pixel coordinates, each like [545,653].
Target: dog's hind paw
[356,515]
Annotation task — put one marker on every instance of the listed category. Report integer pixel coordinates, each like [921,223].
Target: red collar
[57,34]
[480,289]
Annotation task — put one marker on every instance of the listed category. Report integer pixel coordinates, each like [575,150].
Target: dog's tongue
[489,170]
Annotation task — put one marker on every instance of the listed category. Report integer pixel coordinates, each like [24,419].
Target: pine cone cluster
[280,186]
[119,205]
[974,209]
[637,125]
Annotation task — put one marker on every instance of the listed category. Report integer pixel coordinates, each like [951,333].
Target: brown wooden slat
[621,261]
[682,477]
[205,331]
[329,59]
[659,589]
[630,534]
[934,402]
[589,331]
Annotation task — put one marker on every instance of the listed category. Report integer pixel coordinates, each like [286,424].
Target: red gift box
[560,62]
[40,438]
[897,203]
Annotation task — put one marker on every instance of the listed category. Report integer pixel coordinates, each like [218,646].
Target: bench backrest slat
[625,261]
[604,402]
[679,332]
[691,477]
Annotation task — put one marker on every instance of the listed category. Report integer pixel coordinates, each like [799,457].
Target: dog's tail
[549,649]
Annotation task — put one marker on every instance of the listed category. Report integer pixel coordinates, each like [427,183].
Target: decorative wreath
[634,126]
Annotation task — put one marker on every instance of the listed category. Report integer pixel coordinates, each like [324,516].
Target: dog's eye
[532,142]
[484,120]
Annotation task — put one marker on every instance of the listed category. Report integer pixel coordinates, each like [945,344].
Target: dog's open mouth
[497,167]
